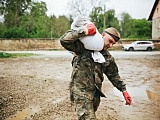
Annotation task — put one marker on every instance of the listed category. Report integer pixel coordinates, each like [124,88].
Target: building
[155,18]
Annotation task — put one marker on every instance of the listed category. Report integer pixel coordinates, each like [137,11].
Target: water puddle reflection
[25,113]
[134,92]
[143,93]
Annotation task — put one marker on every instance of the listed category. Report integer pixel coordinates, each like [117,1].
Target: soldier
[87,75]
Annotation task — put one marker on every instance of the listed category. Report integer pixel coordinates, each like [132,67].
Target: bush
[16,32]
[5,55]
[14,55]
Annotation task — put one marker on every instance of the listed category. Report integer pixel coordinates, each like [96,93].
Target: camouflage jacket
[86,73]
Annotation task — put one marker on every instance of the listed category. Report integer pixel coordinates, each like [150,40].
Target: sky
[136,8]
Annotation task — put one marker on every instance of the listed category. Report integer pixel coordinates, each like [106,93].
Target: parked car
[139,45]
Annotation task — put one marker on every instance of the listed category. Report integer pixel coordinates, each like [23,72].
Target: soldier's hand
[90,29]
[127,98]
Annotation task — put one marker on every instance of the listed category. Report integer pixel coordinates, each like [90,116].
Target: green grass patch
[14,55]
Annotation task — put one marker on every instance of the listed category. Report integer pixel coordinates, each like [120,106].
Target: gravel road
[36,88]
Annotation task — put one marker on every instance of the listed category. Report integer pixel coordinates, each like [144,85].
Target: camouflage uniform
[87,76]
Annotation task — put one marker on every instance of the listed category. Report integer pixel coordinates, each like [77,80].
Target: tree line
[28,19]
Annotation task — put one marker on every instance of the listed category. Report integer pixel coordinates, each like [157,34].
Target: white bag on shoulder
[92,42]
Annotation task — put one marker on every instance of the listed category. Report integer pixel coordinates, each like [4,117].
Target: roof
[153,9]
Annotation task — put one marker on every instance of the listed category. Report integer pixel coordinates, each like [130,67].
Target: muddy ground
[36,88]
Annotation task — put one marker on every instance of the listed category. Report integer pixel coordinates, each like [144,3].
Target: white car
[139,45]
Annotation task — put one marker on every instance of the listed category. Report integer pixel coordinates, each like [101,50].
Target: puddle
[142,92]
[25,113]
[134,92]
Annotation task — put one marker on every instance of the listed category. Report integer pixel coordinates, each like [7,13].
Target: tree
[61,25]
[126,25]
[111,19]
[3,29]
[12,10]
[143,28]
[135,28]
[28,19]
[39,25]
[38,9]
[84,7]
[79,7]
[97,17]
[104,20]
[33,22]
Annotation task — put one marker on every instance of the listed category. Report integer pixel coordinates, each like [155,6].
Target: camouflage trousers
[86,108]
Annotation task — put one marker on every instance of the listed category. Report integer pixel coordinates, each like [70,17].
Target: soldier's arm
[111,71]
[70,41]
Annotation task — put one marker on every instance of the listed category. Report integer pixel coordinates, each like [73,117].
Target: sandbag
[92,42]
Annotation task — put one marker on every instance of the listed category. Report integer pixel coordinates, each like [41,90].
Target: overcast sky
[136,8]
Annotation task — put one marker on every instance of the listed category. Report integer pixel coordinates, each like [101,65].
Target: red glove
[90,29]
[127,98]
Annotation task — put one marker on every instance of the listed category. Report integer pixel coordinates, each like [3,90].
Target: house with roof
[155,18]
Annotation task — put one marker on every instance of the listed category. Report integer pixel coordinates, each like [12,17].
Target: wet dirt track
[36,88]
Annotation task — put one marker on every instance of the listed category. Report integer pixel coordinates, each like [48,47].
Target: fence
[47,44]
[29,44]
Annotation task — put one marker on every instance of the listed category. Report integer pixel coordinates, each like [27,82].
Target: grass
[14,55]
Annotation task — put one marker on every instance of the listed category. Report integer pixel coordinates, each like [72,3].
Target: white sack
[92,42]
